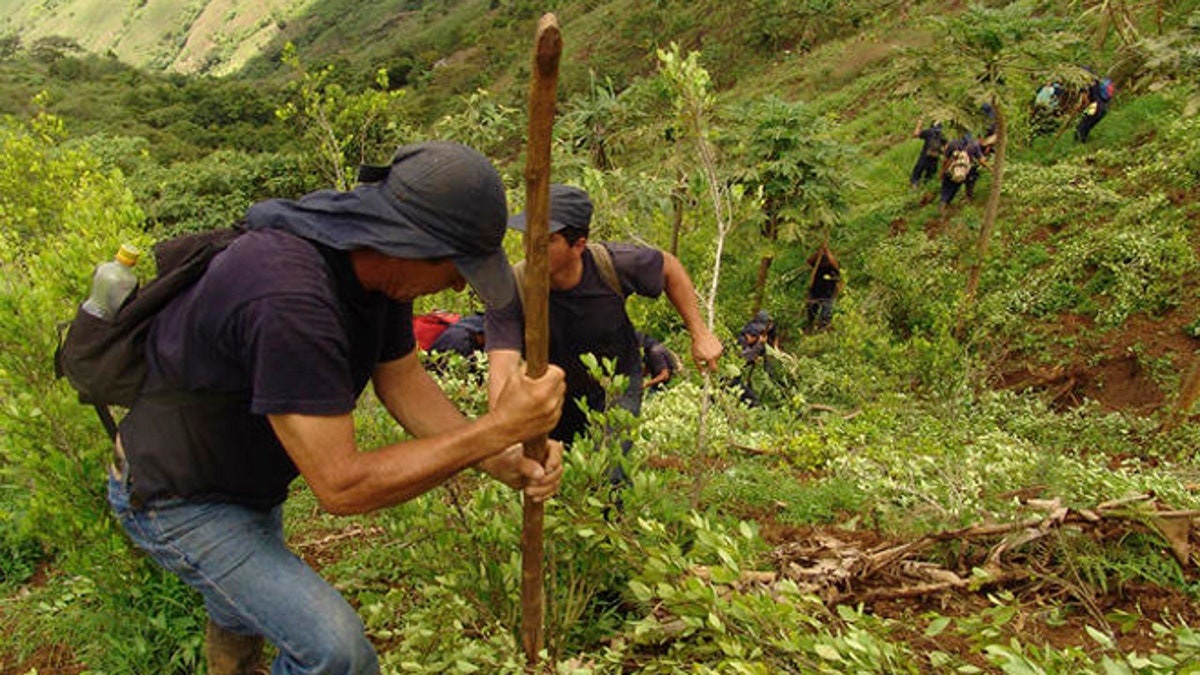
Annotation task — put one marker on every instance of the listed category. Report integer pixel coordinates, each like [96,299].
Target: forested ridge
[985,463]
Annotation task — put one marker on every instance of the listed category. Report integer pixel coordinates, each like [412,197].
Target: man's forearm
[682,294]
[502,364]
[662,376]
[414,399]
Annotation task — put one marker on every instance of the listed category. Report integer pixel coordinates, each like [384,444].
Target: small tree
[346,129]
[65,212]
[691,93]
[798,168]
[482,123]
[594,116]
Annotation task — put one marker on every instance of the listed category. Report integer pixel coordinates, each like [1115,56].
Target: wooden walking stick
[542,93]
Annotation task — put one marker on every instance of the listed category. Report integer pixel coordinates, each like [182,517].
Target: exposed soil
[1121,369]
[55,659]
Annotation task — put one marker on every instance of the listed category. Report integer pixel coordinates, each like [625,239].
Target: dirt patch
[45,659]
[1041,605]
[1037,620]
[1122,369]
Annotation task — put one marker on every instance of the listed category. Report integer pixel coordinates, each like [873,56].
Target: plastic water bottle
[112,283]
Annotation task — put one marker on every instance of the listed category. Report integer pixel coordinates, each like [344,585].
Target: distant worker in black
[753,340]
[1094,101]
[823,288]
[987,140]
[963,155]
[931,151]
[464,337]
[658,365]
[756,335]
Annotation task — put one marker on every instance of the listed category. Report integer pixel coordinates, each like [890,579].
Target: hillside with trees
[986,463]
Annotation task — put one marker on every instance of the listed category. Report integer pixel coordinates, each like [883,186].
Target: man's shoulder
[625,247]
[271,260]
[627,256]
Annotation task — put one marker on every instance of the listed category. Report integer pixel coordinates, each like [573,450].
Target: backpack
[960,166]
[105,361]
[604,263]
[1106,89]
[1047,97]
[428,327]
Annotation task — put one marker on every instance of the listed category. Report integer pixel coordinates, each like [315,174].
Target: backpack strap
[604,264]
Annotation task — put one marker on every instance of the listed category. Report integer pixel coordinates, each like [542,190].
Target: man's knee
[337,645]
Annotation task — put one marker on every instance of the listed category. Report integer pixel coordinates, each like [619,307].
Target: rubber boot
[232,654]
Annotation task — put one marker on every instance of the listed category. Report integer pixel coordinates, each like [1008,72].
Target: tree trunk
[760,285]
[989,218]
[771,232]
[678,197]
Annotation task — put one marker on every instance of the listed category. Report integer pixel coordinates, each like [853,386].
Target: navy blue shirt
[276,325]
[655,357]
[457,339]
[932,141]
[589,318]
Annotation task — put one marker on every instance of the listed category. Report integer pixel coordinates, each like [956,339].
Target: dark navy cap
[569,207]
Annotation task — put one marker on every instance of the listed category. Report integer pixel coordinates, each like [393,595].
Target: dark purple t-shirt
[277,325]
[655,357]
[591,318]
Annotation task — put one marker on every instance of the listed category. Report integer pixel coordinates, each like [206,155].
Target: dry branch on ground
[844,569]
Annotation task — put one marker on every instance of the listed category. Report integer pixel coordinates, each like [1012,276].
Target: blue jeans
[252,584]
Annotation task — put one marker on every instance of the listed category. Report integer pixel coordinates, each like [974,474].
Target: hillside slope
[216,36]
[864,66]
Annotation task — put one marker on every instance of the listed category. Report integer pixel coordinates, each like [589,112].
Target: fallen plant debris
[846,571]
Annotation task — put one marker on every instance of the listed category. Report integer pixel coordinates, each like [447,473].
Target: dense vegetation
[1026,359]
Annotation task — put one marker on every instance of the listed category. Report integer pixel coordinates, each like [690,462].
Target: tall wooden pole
[542,95]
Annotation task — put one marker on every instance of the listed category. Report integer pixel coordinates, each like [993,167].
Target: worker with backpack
[1093,100]
[252,372]
[589,283]
[962,157]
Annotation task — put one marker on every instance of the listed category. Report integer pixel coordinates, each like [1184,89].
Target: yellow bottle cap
[128,254]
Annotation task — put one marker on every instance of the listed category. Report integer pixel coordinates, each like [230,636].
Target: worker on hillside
[589,283]
[658,363]
[824,288]
[1094,100]
[962,155]
[463,337]
[752,340]
[932,143]
[1049,104]
[253,376]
